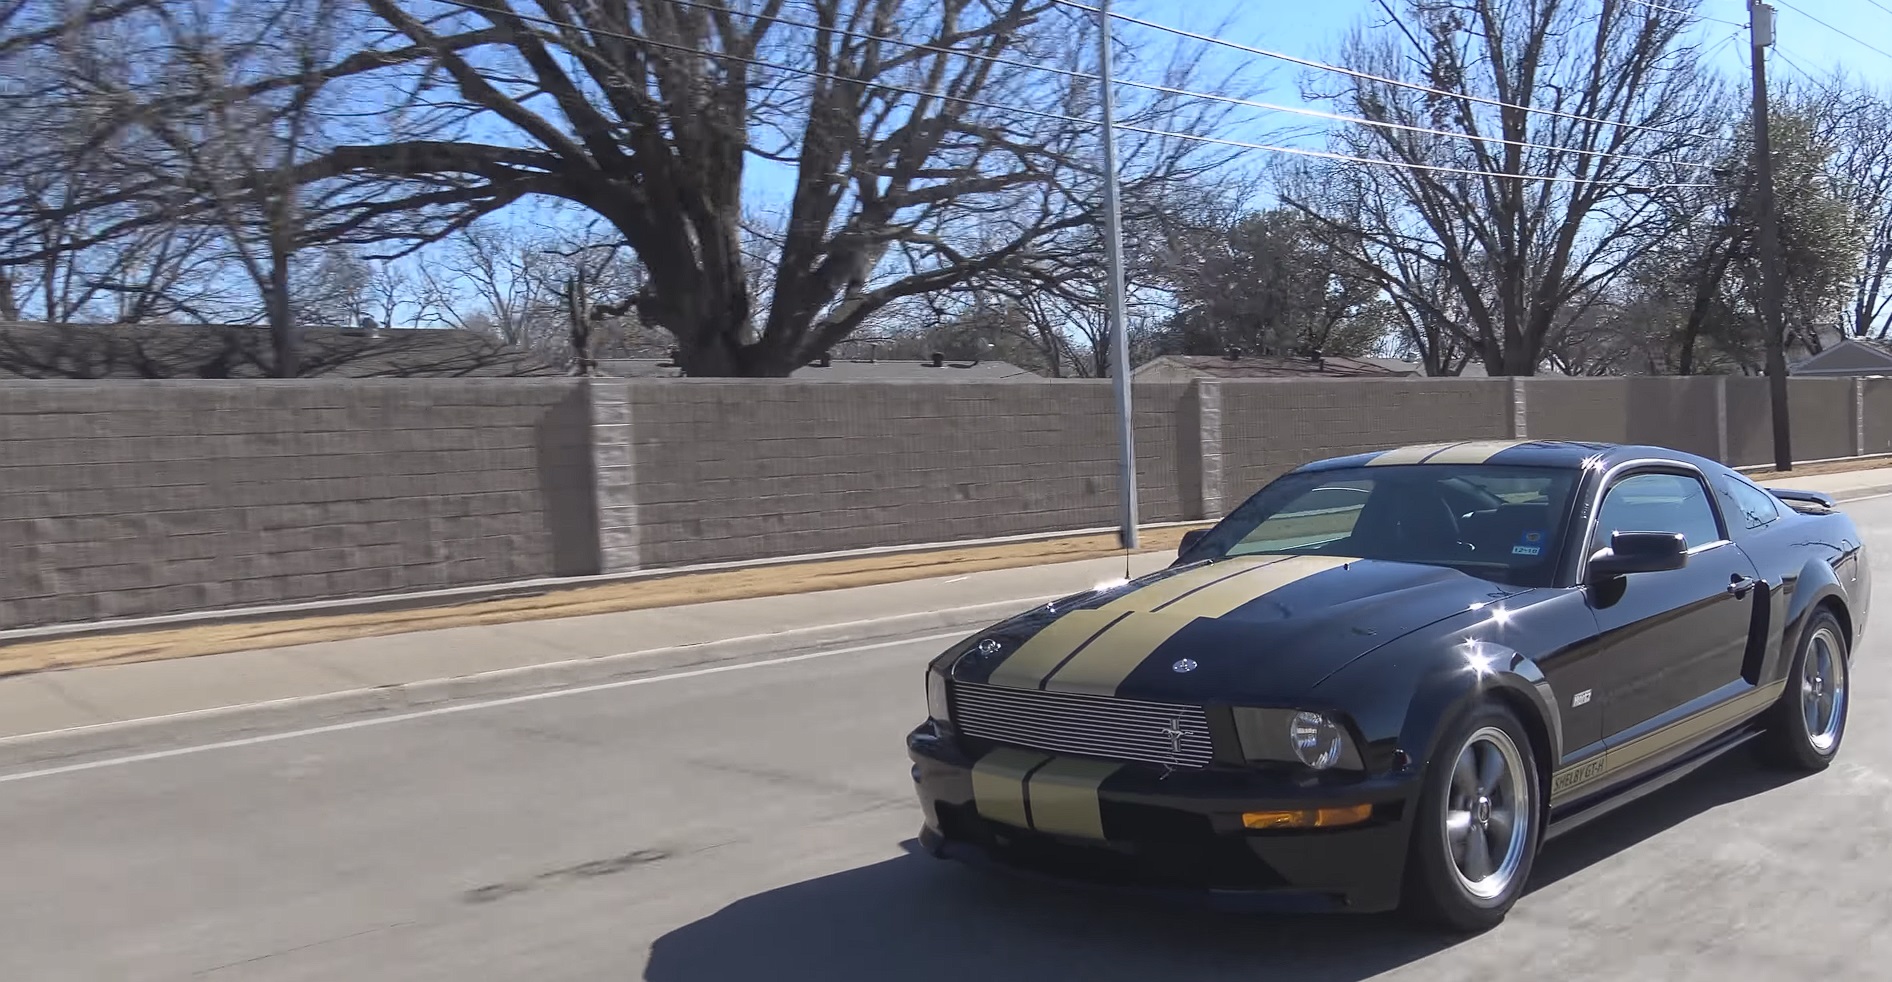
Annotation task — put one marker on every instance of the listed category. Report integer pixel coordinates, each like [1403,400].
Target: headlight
[1289,736]
[1317,740]
[936,707]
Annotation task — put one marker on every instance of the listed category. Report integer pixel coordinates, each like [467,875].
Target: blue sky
[1315,30]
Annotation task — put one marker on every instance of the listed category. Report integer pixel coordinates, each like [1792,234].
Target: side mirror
[1189,540]
[1639,552]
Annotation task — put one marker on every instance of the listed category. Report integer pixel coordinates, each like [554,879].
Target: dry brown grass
[1814,470]
[668,591]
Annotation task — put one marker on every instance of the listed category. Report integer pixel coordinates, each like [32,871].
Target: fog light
[1308,818]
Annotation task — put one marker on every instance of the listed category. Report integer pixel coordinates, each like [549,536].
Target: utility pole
[1761,35]
[1113,249]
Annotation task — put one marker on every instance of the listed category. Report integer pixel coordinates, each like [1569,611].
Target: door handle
[1740,585]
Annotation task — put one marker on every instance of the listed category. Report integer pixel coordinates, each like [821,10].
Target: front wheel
[1809,721]
[1476,834]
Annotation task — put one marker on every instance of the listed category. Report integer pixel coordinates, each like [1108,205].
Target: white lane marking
[214,711]
[465,707]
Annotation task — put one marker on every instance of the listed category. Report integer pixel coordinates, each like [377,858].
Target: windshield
[1502,523]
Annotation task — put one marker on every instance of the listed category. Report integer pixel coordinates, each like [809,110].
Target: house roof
[1266,367]
[849,370]
[1472,369]
[139,351]
[1847,357]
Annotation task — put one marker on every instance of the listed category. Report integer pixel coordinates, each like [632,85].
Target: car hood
[1246,628]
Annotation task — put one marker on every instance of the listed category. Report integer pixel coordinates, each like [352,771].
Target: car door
[1673,637]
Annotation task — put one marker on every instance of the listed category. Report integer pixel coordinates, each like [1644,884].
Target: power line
[1366,76]
[1686,12]
[1213,97]
[1835,30]
[1795,65]
[1151,131]
[1881,6]
[1438,168]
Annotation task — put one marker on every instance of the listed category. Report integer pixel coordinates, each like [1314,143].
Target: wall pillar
[1722,450]
[1208,401]
[614,464]
[1520,414]
[1859,417]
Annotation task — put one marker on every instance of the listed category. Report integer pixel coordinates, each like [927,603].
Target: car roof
[1571,454]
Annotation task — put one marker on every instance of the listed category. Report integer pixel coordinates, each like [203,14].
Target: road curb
[225,722]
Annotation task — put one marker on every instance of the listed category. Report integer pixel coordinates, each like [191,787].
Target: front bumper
[1179,835]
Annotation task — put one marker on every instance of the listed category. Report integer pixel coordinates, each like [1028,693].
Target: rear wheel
[1808,722]
[1476,834]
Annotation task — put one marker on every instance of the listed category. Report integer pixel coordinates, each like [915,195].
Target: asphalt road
[757,823]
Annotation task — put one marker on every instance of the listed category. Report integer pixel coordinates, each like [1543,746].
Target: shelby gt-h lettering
[1385,679]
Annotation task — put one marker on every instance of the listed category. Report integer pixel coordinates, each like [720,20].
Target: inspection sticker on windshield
[1531,544]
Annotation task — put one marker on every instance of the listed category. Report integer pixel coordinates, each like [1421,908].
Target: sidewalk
[493,657]
[105,694]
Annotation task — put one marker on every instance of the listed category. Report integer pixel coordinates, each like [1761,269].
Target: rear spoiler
[1820,500]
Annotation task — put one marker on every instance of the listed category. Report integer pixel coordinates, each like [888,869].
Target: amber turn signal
[1311,818]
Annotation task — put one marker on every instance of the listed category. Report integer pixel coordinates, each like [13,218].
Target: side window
[1747,504]
[1657,503]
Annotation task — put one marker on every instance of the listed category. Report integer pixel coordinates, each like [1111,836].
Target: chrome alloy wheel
[1488,813]
[1823,690]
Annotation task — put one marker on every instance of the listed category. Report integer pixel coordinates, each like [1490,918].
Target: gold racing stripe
[1584,773]
[1040,656]
[1100,666]
[1408,455]
[1220,598]
[998,784]
[1064,799]
[1474,452]
[1181,585]
[1106,662]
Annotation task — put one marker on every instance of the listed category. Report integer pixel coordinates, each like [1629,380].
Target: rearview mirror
[1189,540]
[1639,552]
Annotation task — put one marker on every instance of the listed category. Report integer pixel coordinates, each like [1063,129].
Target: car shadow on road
[917,919]
[1729,779]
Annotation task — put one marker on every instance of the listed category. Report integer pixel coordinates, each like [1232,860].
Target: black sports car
[1385,679]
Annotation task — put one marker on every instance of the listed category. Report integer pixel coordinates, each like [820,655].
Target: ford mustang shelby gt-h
[1385,679]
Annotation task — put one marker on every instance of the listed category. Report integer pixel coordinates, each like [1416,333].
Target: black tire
[1438,892]
[1791,741]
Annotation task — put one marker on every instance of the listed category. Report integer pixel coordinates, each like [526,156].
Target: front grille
[1096,726]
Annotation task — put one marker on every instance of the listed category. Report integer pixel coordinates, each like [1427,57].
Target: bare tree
[1687,303]
[901,155]
[1270,283]
[1619,95]
[513,284]
[1856,122]
[241,150]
